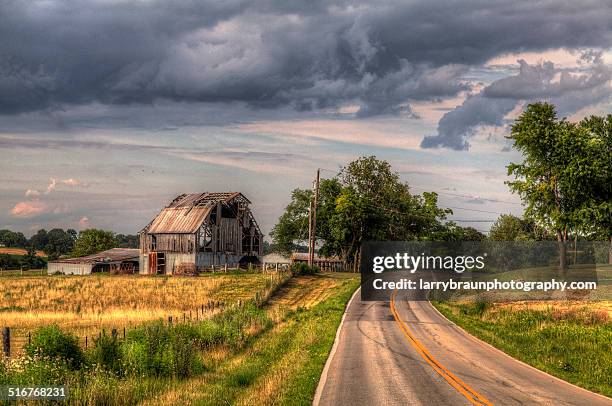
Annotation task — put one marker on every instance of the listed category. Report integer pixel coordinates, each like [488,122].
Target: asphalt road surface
[406,353]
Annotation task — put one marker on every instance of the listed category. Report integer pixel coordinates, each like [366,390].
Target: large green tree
[560,176]
[58,243]
[365,201]
[92,241]
[595,212]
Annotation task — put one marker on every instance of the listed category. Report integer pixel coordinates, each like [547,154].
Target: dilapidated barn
[197,231]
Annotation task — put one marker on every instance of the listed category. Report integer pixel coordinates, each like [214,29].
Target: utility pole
[312,221]
[310,253]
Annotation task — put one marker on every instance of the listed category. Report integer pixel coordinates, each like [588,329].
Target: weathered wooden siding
[169,243]
[206,259]
[229,236]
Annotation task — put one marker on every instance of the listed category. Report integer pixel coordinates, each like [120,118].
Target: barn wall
[230,239]
[174,259]
[206,259]
[169,243]
[68,269]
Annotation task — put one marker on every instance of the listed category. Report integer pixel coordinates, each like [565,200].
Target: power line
[329,170]
[477,210]
[473,221]
[460,195]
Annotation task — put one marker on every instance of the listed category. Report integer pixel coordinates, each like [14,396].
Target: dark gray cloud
[307,55]
[456,126]
[568,90]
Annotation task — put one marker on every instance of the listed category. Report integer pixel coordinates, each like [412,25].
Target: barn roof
[108,256]
[186,213]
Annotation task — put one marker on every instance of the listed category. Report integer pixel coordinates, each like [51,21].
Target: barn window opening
[173,244]
[153,243]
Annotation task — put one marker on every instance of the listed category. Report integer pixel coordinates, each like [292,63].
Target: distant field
[19,251]
[84,305]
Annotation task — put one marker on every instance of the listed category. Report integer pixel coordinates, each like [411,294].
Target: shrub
[39,372]
[159,350]
[52,342]
[302,268]
[35,371]
[107,353]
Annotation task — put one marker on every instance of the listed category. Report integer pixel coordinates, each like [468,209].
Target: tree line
[564,181]
[58,243]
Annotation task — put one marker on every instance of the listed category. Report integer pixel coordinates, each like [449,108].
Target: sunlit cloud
[29,209]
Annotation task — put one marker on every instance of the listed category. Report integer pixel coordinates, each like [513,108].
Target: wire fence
[14,340]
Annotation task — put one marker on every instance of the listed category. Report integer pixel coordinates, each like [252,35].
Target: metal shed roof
[108,256]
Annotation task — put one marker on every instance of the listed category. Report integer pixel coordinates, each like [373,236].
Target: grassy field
[283,365]
[570,340]
[269,349]
[85,305]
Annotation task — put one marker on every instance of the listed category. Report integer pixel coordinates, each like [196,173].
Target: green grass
[575,346]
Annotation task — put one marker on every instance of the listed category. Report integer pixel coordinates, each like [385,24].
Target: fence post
[114,333]
[6,341]
[85,342]
[170,320]
[29,338]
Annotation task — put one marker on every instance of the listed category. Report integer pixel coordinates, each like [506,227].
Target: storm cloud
[568,90]
[269,55]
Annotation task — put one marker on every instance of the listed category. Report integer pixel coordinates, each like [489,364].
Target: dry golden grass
[303,291]
[595,310]
[84,305]
[19,251]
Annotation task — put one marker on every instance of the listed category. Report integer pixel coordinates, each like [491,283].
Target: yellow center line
[463,388]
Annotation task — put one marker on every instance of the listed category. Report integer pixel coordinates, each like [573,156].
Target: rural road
[405,352]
